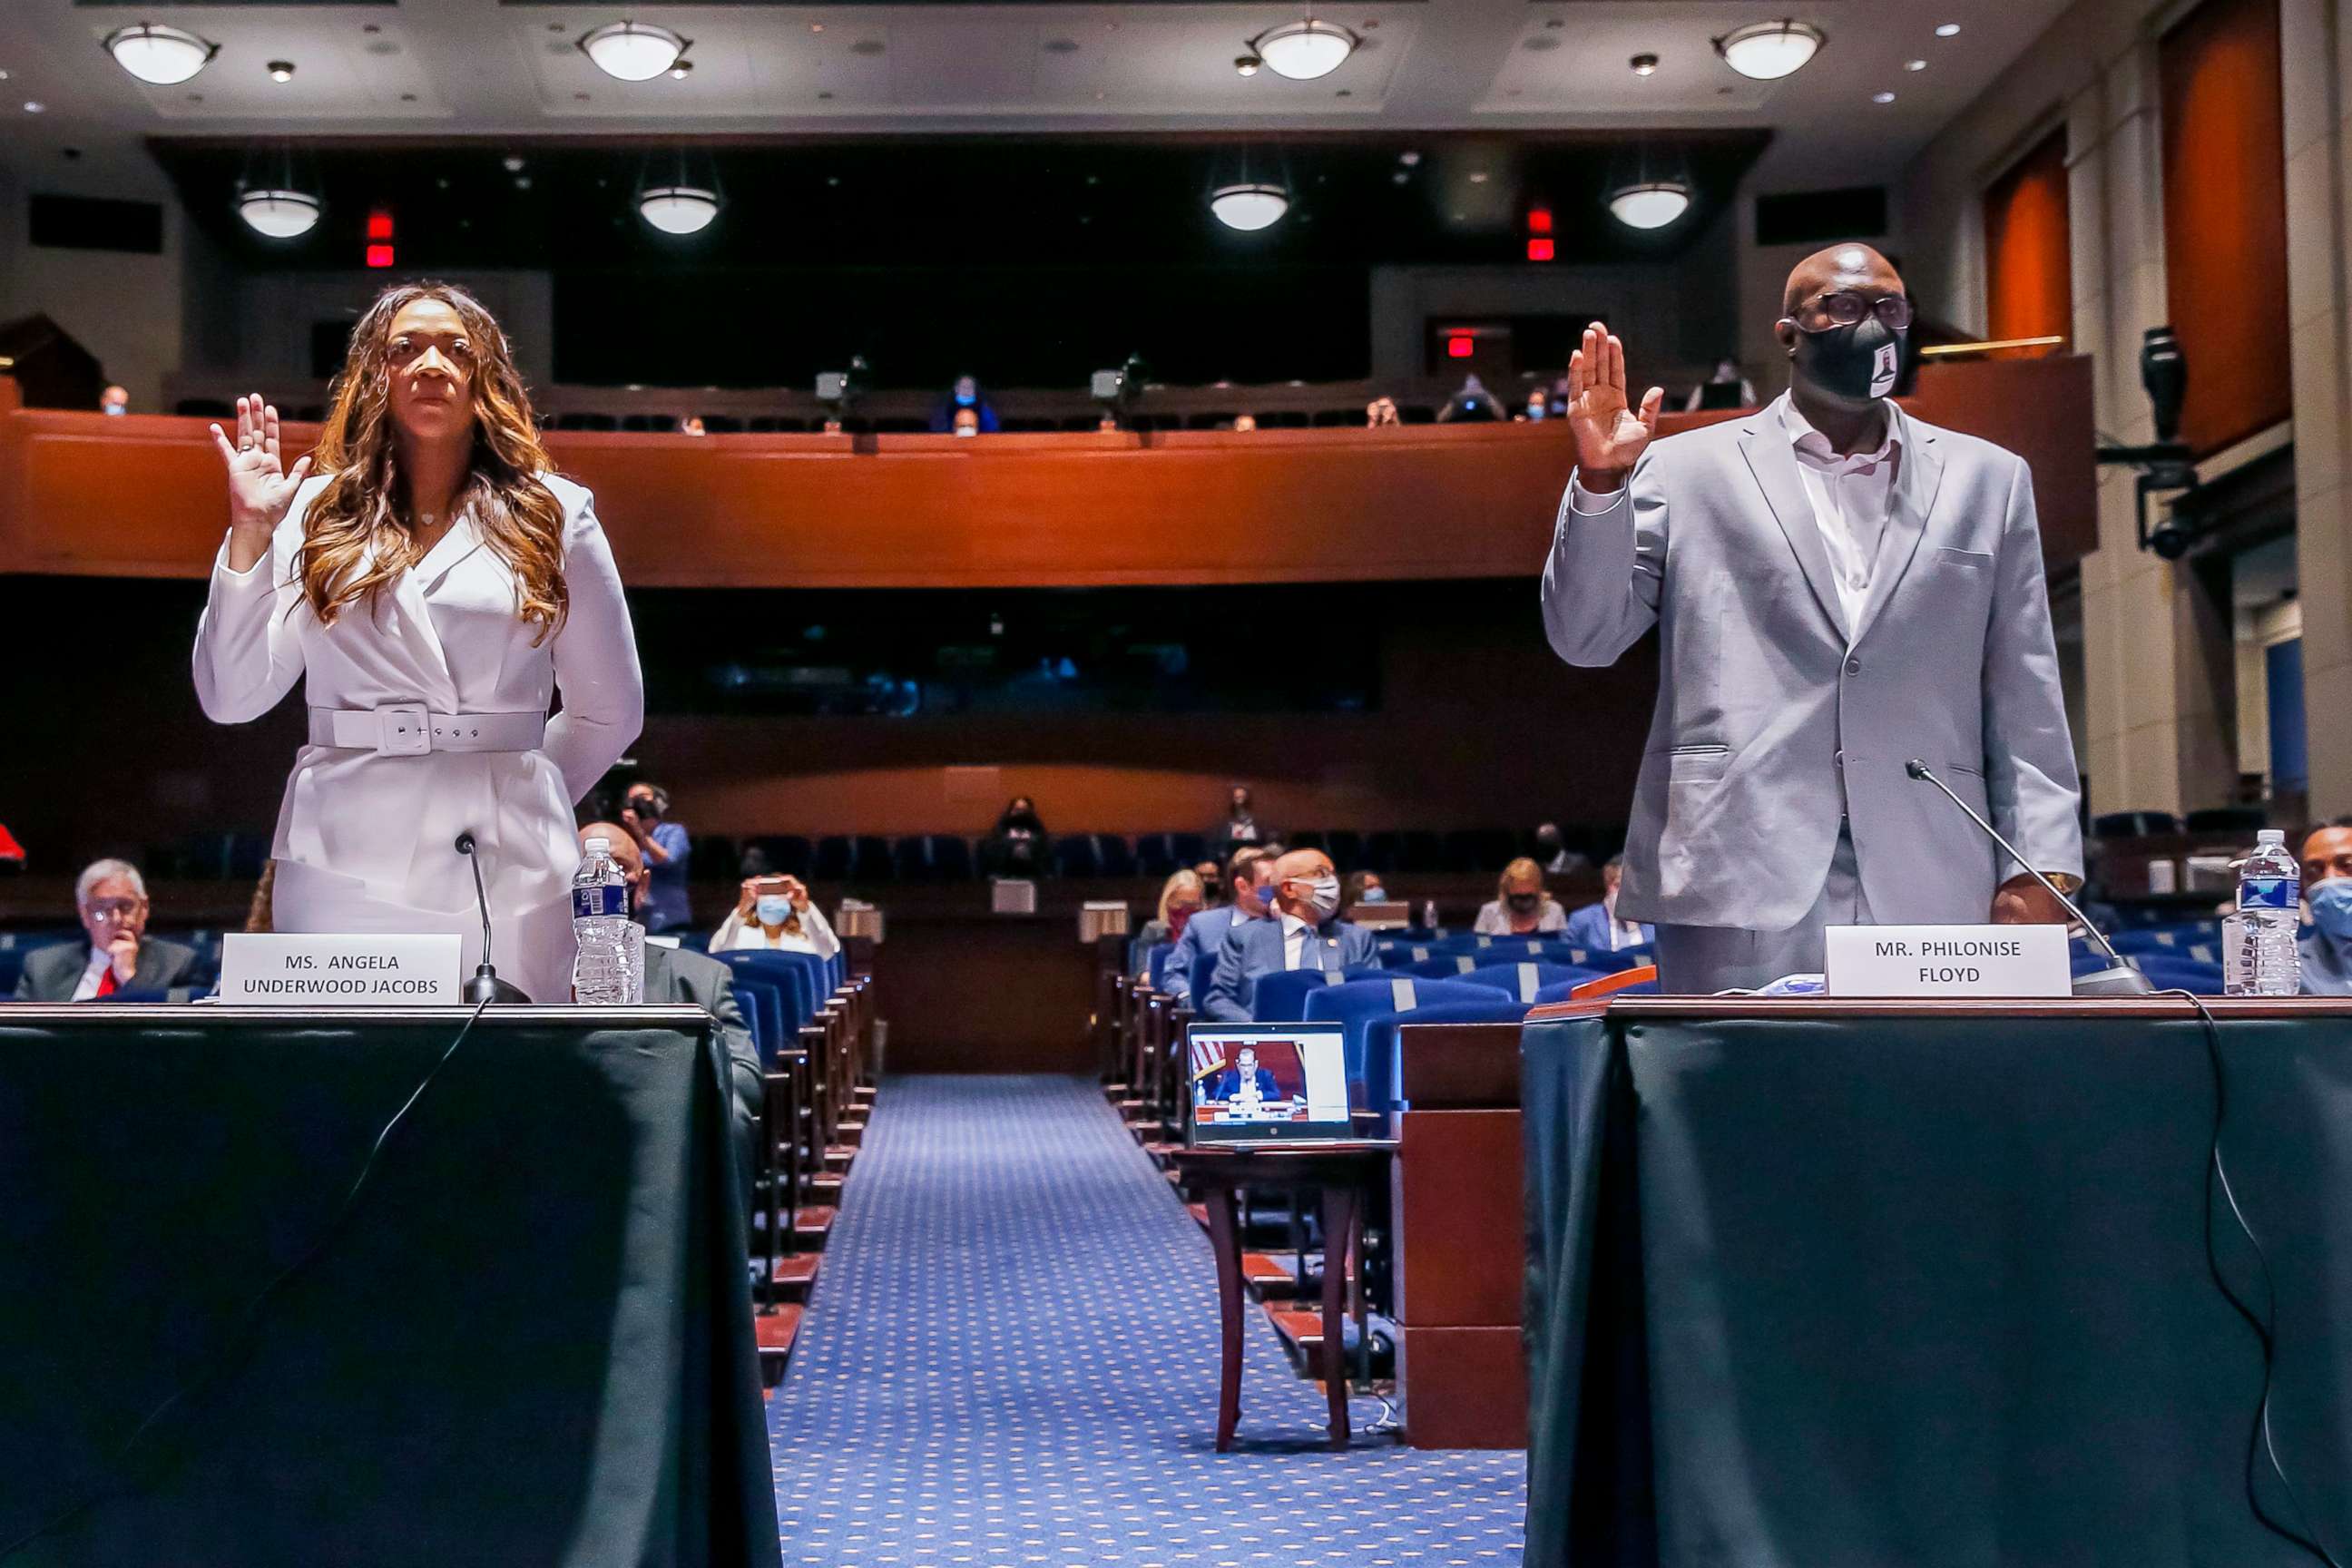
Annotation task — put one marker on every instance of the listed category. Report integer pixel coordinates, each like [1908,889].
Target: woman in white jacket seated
[775,915]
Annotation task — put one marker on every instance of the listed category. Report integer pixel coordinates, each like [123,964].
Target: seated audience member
[1553,854]
[666,850]
[1473,402]
[832,426]
[1240,826]
[964,398]
[1305,934]
[1597,925]
[1520,906]
[1212,884]
[967,423]
[1538,405]
[1362,887]
[1249,875]
[1245,423]
[1725,384]
[114,400]
[111,898]
[1106,425]
[775,914]
[691,426]
[1380,411]
[1018,846]
[2327,888]
[676,976]
[1180,903]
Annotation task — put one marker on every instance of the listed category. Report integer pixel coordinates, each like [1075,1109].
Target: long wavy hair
[356,538]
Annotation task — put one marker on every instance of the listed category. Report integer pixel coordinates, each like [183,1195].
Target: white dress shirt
[1851,497]
[100,962]
[1295,934]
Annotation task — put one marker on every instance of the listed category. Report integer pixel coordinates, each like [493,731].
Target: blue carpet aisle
[1012,1359]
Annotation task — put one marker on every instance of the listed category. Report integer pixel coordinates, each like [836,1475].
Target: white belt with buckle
[408,730]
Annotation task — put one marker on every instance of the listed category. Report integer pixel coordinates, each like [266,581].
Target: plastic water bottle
[2267,964]
[609,968]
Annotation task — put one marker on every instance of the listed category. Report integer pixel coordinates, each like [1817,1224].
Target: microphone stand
[2119,979]
[485,985]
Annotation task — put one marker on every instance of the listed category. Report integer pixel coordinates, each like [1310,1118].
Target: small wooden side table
[1337,1171]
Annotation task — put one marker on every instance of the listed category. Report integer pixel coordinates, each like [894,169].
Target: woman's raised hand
[261,488]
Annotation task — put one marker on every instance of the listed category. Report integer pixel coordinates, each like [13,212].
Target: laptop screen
[1264,1082]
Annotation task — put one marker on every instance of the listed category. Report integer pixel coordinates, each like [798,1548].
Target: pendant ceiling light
[1305,50]
[1249,207]
[678,209]
[1767,52]
[278,214]
[1654,205]
[159,55]
[633,51]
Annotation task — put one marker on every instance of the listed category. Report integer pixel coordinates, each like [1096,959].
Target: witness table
[1865,1284]
[529,1343]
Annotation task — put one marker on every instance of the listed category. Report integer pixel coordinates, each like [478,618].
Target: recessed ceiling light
[1400,177]
[1882,97]
[1409,158]
[816,27]
[1249,207]
[1305,50]
[281,70]
[1248,65]
[1477,176]
[512,162]
[681,70]
[1947,30]
[1915,64]
[633,51]
[159,55]
[3,76]
[35,106]
[1645,65]
[1767,52]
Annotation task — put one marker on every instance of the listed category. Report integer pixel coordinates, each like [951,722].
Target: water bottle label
[605,901]
[2266,893]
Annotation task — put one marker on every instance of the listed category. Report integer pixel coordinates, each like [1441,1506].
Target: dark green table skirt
[531,1343]
[1841,1287]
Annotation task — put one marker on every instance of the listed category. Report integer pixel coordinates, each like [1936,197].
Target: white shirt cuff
[1585,503]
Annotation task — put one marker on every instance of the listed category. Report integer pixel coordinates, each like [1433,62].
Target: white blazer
[365,840]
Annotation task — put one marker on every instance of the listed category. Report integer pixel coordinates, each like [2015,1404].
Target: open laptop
[1267,1083]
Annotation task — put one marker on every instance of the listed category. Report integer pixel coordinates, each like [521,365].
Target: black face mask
[1524,902]
[1212,892]
[1852,364]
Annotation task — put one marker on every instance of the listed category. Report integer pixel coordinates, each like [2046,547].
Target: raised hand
[261,488]
[1611,434]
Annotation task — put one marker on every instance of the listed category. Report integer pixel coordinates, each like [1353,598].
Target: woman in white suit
[433,587]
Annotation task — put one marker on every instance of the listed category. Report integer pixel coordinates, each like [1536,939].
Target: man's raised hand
[1611,434]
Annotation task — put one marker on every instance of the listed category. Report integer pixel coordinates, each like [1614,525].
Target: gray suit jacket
[50,973]
[1253,948]
[674,975]
[1773,719]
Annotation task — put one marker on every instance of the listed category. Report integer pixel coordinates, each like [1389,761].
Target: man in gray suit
[1839,588]
[674,975]
[120,959]
[1305,932]
[1205,934]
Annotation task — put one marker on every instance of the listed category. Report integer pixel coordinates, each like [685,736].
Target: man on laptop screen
[1268,1081]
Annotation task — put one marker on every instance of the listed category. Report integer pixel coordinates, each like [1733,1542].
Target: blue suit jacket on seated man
[1304,934]
[1588,928]
[1826,613]
[1229,1084]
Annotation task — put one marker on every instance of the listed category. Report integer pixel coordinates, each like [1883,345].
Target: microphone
[485,985]
[2119,979]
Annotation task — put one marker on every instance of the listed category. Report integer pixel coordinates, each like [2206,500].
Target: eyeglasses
[1845,308]
[112,909]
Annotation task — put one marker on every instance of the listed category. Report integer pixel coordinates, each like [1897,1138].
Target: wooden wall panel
[143,497]
[2224,168]
[2029,273]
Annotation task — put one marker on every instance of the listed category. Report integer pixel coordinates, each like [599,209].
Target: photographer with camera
[666,849]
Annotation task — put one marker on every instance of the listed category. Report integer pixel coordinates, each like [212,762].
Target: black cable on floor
[248,1317]
[2260,1443]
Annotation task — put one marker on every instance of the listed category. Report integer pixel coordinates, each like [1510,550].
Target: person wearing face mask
[676,976]
[775,914]
[667,849]
[1305,932]
[1599,926]
[1180,902]
[1240,824]
[1212,884]
[114,400]
[1847,589]
[1552,854]
[1362,887]
[1018,848]
[1250,875]
[1727,388]
[965,403]
[2327,888]
[1520,906]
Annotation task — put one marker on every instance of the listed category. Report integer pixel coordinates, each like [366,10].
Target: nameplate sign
[315,969]
[1948,961]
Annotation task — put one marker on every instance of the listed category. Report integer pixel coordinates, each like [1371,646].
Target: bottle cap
[2271,835]
[600,846]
